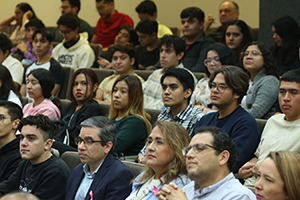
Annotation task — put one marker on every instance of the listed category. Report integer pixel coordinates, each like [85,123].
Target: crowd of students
[206,134]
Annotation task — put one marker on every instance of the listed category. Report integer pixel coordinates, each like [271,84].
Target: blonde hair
[176,138]
[288,166]
[136,100]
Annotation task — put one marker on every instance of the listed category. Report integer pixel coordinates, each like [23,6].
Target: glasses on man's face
[253,53]
[197,148]
[221,87]
[213,60]
[88,141]
[66,33]
[64,7]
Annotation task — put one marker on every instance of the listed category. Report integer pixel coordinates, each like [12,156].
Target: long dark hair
[289,31]
[25,7]
[7,84]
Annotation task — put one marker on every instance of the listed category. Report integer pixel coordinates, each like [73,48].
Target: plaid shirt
[187,118]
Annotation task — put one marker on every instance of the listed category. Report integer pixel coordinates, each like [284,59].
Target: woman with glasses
[261,99]
[286,34]
[8,90]
[165,162]
[128,114]
[237,35]
[278,176]
[39,84]
[216,55]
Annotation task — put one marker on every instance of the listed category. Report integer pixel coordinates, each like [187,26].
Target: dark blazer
[112,181]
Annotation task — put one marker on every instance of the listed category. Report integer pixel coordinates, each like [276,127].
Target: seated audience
[74,51]
[23,12]
[172,50]
[40,173]
[127,113]
[286,34]
[13,65]
[281,132]
[147,9]
[147,54]
[109,23]
[228,11]
[283,170]
[84,85]
[24,51]
[39,84]
[192,24]
[210,159]
[72,6]
[10,116]
[237,35]
[228,86]
[19,196]
[261,100]
[126,36]
[122,61]
[100,176]
[8,90]
[165,162]
[42,43]
[216,56]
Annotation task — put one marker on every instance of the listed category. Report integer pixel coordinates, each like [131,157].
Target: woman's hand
[22,47]
[28,14]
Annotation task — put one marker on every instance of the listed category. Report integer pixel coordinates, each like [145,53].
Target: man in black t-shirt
[40,172]
[42,42]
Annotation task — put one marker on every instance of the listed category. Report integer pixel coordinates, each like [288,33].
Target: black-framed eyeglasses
[197,148]
[66,33]
[221,87]
[253,53]
[214,60]
[86,141]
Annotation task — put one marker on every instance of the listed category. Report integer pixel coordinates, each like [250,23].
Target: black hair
[289,31]
[35,22]
[269,63]
[147,7]
[291,76]
[48,128]
[235,77]
[108,130]
[46,80]
[221,141]
[25,7]
[14,110]
[7,84]
[69,20]
[147,26]
[224,52]
[5,43]
[45,35]
[74,3]
[193,12]
[124,49]
[105,1]
[173,41]
[134,38]
[184,77]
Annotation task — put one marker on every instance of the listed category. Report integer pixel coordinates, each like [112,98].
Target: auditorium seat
[64,92]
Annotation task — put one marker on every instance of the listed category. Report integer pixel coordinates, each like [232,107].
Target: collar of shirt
[86,170]
[182,115]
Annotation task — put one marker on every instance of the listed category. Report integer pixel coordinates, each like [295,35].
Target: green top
[84,27]
[131,135]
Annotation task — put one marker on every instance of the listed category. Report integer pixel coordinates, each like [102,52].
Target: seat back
[64,104]
[25,101]
[136,168]
[97,48]
[154,114]
[64,92]
[261,123]
[71,158]
[143,73]
[102,73]
[199,75]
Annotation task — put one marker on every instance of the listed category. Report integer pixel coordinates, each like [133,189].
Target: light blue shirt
[86,182]
[229,188]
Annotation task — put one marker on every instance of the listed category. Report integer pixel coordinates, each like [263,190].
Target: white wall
[168,10]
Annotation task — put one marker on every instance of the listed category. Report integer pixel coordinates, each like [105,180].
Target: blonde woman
[165,162]
[127,112]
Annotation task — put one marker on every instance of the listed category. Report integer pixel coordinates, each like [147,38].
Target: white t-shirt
[15,68]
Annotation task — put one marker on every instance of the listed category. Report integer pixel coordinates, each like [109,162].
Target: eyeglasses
[66,33]
[64,7]
[253,53]
[213,60]
[221,88]
[197,148]
[86,141]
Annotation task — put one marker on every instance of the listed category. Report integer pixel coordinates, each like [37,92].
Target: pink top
[46,108]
